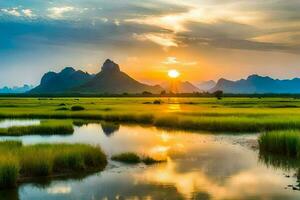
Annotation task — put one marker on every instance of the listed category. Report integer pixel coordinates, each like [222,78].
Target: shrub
[157,101]
[77,108]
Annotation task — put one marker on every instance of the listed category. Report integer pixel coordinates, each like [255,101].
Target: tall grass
[52,127]
[18,162]
[281,142]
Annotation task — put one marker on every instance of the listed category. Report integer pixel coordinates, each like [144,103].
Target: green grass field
[225,115]
[18,162]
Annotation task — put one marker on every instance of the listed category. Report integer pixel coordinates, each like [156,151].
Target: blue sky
[203,39]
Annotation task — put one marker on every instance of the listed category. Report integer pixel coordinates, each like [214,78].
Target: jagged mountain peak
[110,66]
[68,70]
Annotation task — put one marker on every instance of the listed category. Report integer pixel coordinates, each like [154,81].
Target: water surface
[200,166]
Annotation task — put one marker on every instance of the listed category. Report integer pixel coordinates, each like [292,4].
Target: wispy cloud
[28,13]
[58,12]
[11,11]
[174,61]
[18,12]
[164,40]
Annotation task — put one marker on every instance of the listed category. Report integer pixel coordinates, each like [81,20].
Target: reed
[285,143]
[42,160]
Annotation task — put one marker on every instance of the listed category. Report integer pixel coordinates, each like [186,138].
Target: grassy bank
[47,127]
[18,162]
[285,143]
[228,114]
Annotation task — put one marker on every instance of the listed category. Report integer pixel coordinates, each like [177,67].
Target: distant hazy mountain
[63,81]
[258,84]
[206,85]
[113,81]
[15,90]
[180,87]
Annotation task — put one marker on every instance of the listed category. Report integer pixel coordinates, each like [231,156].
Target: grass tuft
[133,158]
[18,162]
[285,143]
[129,157]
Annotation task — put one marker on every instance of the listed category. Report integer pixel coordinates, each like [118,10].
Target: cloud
[164,40]
[117,22]
[173,61]
[11,11]
[58,12]
[28,13]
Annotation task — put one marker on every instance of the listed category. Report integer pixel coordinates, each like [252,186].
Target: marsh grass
[133,158]
[128,157]
[285,143]
[147,160]
[49,127]
[18,162]
[227,124]
[208,114]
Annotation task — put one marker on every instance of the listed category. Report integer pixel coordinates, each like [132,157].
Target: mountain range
[109,80]
[206,85]
[15,90]
[258,84]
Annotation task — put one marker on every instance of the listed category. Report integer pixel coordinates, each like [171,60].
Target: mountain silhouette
[15,90]
[63,81]
[113,81]
[206,85]
[180,87]
[259,84]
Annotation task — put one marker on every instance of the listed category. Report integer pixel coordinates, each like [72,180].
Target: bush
[157,101]
[77,108]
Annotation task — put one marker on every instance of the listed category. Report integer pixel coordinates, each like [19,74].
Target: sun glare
[173,73]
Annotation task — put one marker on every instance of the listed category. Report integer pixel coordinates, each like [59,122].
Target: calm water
[200,166]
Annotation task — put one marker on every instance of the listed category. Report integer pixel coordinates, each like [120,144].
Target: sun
[173,73]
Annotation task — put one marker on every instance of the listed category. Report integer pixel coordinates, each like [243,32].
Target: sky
[202,39]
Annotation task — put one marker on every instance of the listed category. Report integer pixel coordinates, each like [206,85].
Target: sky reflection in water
[200,166]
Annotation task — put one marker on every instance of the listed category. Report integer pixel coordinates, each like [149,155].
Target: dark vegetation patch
[77,108]
[157,101]
[133,158]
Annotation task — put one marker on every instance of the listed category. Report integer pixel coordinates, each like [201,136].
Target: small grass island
[19,163]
